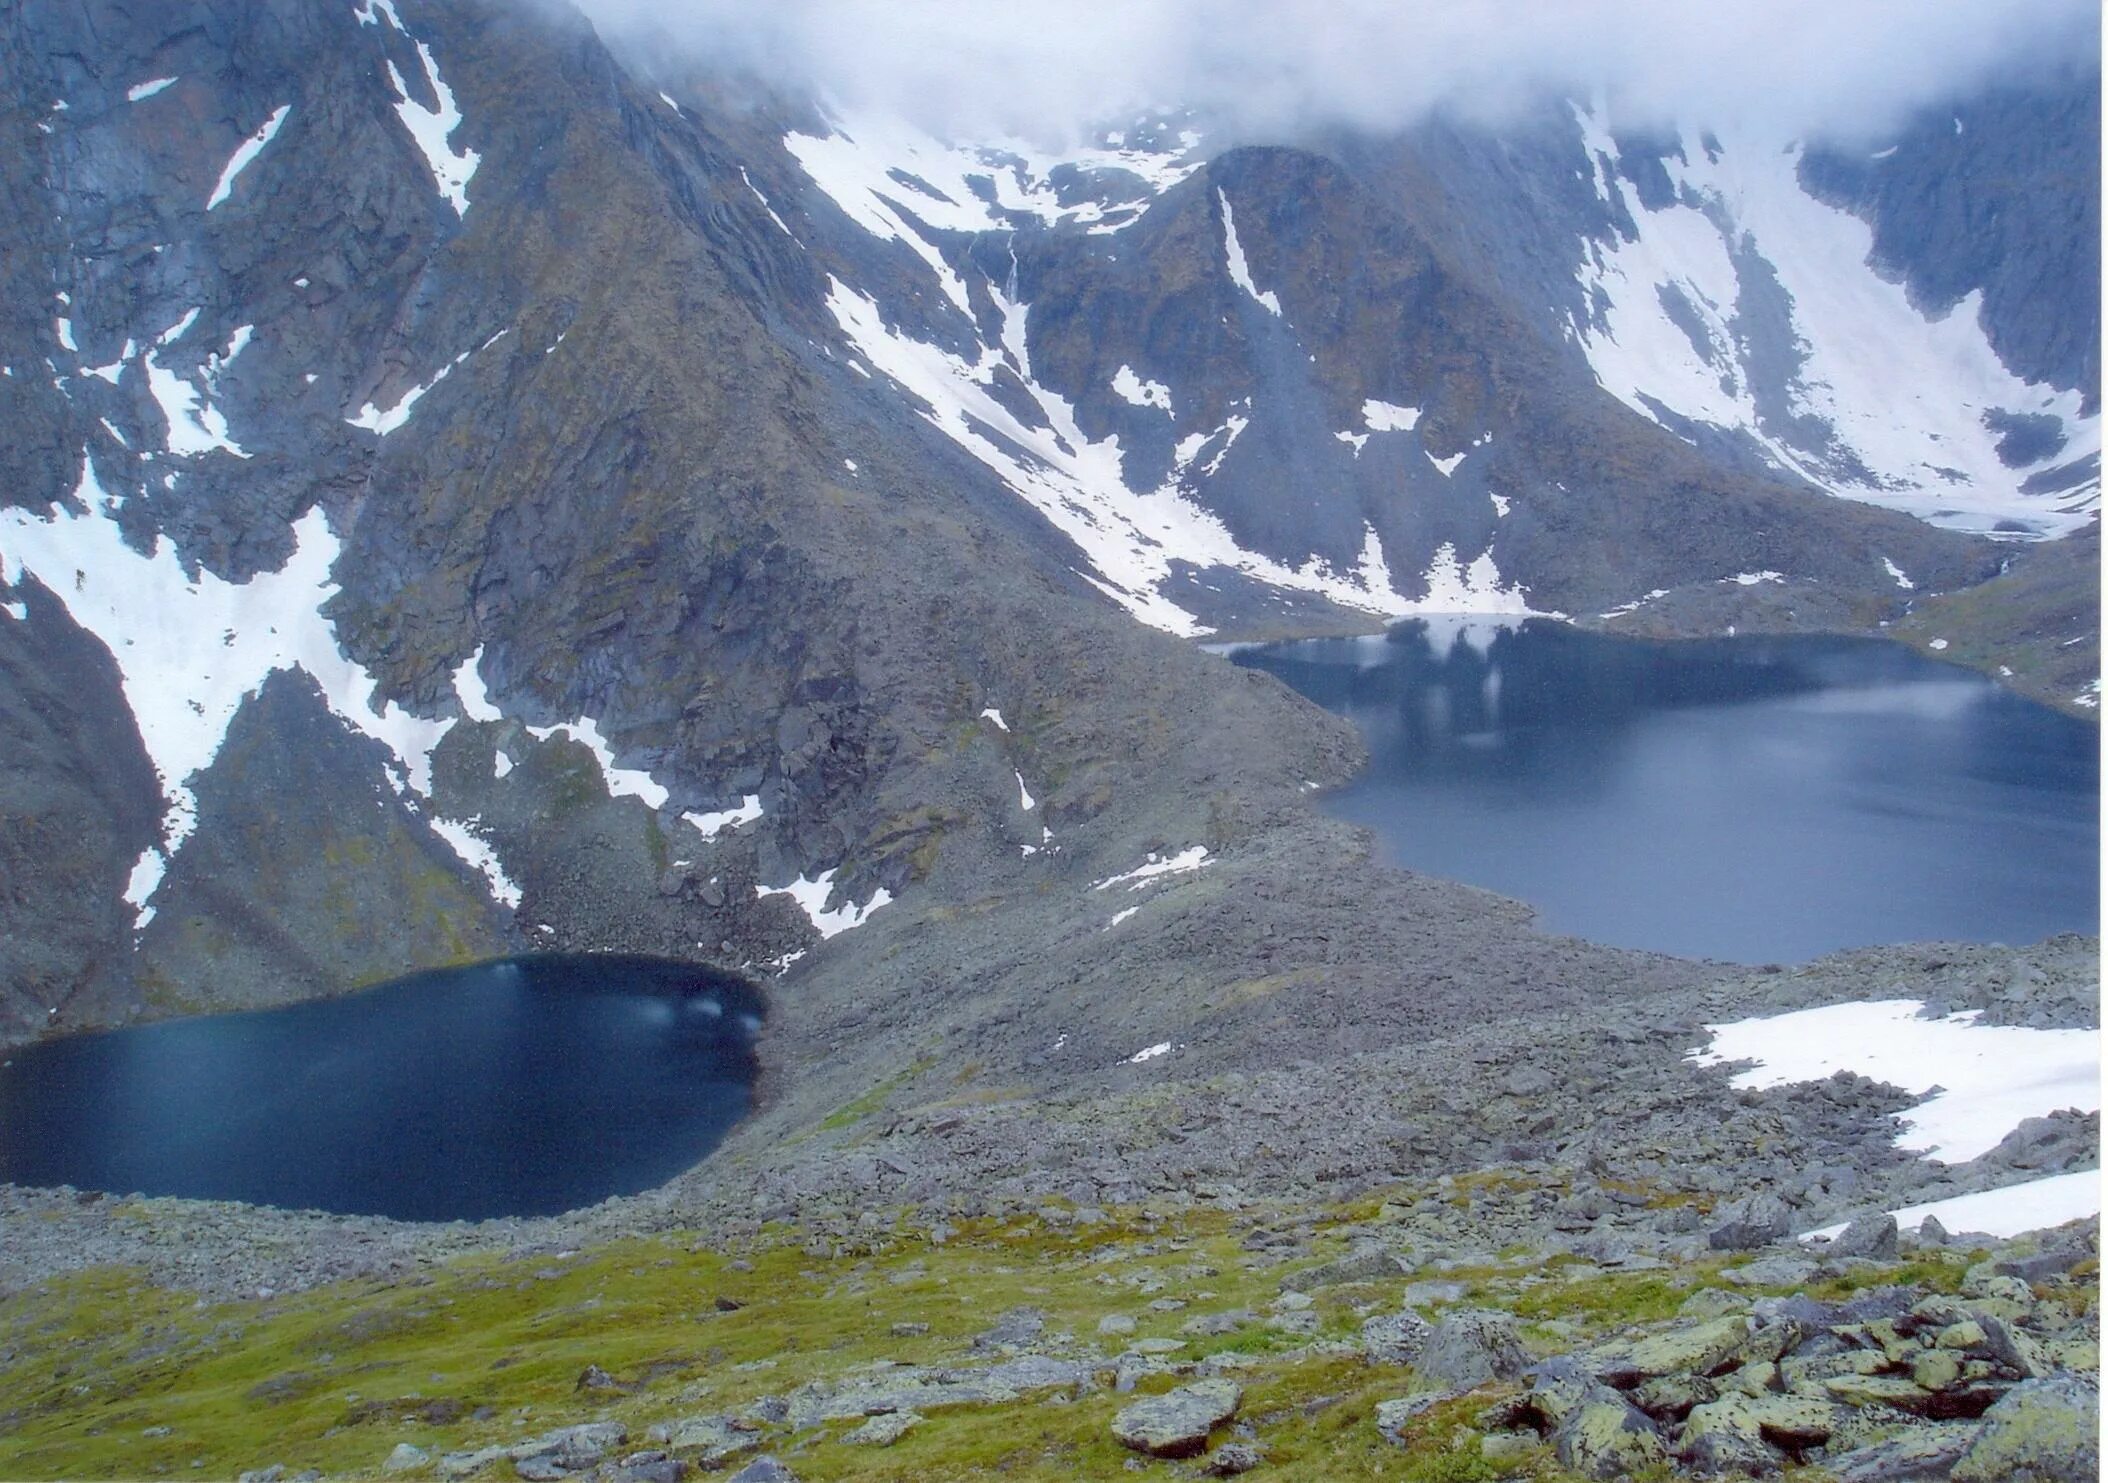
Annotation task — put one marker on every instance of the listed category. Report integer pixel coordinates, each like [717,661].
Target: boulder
[1177,1423]
[1470,1347]
[1361,1266]
[404,1458]
[714,1440]
[1392,1416]
[2045,1431]
[1748,1224]
[1919,1455]
[1869,1236]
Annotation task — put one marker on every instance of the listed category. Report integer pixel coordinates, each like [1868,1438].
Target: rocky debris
[1177,1423]
[2044,1431]
[595,1378]
[1232,1459]
[884,1431]
[887,1388]
[404,1458]
[712,1441]
[1012,1332]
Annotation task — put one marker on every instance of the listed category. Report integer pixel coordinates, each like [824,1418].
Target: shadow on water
[518,1087]
[1757,799]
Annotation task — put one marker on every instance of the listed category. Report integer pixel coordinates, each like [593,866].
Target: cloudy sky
[1839,67]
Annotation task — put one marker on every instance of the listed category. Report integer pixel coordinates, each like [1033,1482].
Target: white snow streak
[1150,1053]
[995,717]
[1024,795]
[479,855]
[249,149]
[1388,417]
[1240,270]
[139,91]
[1896,572]
[1153,867]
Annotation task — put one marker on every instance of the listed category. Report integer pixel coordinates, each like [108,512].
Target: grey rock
[468,1464]
[1013,1331]
[1748,1224]
[764,1470]
[571,1448]
[404,1458]
[1177,1423]
[272,1474]
[1931,1233]
[2045,1431]
[1116,1324]
[1233,1458]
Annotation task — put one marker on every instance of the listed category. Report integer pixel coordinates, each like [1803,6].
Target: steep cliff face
[464,490]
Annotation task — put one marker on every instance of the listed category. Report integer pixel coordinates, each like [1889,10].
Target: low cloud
[1275,67]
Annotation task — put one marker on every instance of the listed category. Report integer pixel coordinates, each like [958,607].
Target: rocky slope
[470,491]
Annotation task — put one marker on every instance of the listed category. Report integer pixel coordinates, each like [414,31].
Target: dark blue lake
[523,1087]
[1752,799]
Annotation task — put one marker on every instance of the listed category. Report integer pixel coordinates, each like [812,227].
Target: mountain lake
[518,1087]
[1759,800]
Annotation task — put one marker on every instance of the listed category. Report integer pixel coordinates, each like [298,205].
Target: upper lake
[522,1087]
[1751,799]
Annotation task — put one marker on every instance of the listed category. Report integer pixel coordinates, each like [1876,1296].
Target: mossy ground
[488,1350]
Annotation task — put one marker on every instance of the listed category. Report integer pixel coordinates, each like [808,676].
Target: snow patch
[1119,916]
[2013,1210]
[143,90]
[995,718]
[1024,794]
[1751,579]
[429,128]
[1896,574]
[1388,417]
[189,651]
[711,825]
[469,690]
[1132,389]
[1979,1081]
[811,896]
[1150,1053]
[1674,342]
[248,150]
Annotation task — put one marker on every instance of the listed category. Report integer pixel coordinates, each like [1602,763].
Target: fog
[1047,68]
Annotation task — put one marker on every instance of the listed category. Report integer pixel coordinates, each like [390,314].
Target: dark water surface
[1759,800]
[522,1087]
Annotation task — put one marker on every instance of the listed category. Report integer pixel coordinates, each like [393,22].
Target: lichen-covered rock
[405,1458]
[1916,1456]
[1394,1338]
[884,1431]
[1177,1423]
[1604,1437]
[1698,1350]
[2045,1431]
